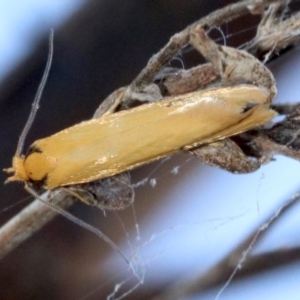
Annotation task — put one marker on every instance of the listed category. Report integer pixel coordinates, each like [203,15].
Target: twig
[179,40]
[30,220]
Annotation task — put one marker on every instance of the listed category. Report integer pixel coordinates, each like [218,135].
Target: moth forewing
[114,143]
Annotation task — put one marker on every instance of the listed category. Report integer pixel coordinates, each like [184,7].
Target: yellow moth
[121,141]
[114,143]
[117,142]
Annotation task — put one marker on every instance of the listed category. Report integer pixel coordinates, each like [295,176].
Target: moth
[118,142]
[81,155]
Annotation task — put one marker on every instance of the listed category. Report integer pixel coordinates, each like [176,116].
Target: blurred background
[189,216]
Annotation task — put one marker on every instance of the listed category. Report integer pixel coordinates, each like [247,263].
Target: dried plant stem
[29,220]
[177,41]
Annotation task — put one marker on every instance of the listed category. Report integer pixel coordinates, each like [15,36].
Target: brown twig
[179,40]
[30,220]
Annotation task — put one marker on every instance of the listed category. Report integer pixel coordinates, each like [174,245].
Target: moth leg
[227,155]
[78,193]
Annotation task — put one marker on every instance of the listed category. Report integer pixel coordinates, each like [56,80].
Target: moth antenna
[77,221]
[37,98]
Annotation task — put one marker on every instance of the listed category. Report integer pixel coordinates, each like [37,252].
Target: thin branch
[30,220]
[179,40]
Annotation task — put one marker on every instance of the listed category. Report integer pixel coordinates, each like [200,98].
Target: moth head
[34,167]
